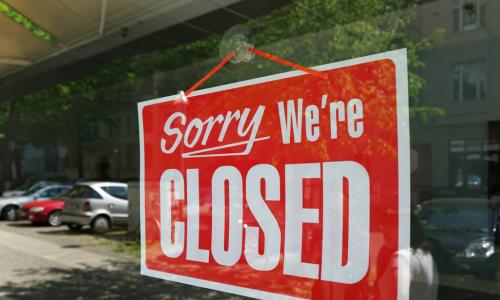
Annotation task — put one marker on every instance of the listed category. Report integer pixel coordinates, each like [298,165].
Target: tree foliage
[310,32]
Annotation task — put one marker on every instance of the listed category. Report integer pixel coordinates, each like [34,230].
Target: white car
[25,187]
[10,205]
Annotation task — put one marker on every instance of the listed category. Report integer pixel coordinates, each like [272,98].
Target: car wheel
[101,224]
[75,227]
[55,218]
[9,213]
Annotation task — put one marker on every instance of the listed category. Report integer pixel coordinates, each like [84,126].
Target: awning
[37,36]
[43,42]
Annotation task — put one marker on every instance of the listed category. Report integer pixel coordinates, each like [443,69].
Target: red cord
[288,63]
[211,73]
[260,53]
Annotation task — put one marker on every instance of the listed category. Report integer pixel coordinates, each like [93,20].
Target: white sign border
[399,58]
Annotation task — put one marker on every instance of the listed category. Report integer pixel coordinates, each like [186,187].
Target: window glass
[467,15]
[34,188]
[83,191]
[52,192]
[469,81]
[46,193]
[63,193]
[116,191]
[477,217]
[84,125]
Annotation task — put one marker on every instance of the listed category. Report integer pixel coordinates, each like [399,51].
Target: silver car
[10,205]
[98,204]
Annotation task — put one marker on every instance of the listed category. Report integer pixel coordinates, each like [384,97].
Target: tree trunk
[9,145]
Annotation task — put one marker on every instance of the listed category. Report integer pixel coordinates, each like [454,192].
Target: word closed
[333,174]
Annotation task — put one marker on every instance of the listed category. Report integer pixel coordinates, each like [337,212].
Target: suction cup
[238,39]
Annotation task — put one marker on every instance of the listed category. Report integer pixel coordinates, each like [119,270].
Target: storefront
[89,128]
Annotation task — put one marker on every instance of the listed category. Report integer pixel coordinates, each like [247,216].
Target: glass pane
[116,191]
[83,126]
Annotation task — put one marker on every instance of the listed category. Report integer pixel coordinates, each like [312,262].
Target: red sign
[287,186]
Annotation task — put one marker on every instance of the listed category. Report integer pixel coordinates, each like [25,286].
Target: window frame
[459,10]
[458,75]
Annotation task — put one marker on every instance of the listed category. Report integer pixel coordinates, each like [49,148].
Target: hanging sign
[286,186]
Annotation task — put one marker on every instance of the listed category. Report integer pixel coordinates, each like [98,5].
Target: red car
[48,211]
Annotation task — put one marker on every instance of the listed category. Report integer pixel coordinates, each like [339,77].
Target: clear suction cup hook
[238,39]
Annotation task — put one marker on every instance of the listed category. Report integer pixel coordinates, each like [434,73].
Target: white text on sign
[244,240]
[293,116]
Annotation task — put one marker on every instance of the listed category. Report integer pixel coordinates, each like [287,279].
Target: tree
[310,32]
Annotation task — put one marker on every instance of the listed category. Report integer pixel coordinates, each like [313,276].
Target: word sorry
[193,132]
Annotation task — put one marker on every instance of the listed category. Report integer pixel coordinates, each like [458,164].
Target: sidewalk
[52,253]
[36,267]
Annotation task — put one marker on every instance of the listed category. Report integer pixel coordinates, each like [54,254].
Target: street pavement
[41,262]
[35,264]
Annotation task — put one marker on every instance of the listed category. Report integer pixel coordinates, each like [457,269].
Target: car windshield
[63,194]
[72,192]
[82,191]
[463,220]
[33,189]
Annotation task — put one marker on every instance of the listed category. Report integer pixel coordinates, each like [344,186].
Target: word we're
[295,118]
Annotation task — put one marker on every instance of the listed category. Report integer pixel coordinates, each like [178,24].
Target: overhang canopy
[37,36]
[69,23]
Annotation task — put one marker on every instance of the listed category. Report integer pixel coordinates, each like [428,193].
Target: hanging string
[288,63]
[210,74]
[258,52]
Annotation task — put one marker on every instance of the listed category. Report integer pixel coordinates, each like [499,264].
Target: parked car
[47,211]
[98,204]
[468,230]
[10,205]
[27,186]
